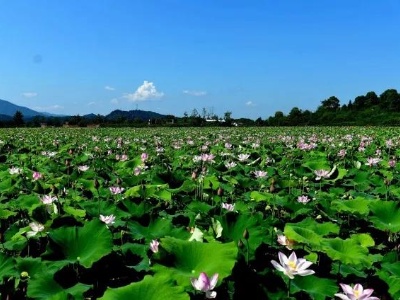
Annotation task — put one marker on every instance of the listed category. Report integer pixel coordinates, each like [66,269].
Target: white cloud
[49,108]
[250,103]
[91,103]
[29,94]
[109,88]
[114,101]
[144,92]
[195,93]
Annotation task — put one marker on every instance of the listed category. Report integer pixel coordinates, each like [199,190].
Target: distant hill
[134,114]
[5,118]
[9,109]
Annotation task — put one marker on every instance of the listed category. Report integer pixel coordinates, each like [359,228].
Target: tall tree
[332,103]
[18,118]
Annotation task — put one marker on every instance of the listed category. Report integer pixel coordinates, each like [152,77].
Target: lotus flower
[116,190]
[284,241]
[109,220]
[355,293]
[47,199]
[154,246]
[303,199]
[37,176]
[260,174]
[36,227]
[321,174]
[228,206]
[14,170]
[372,161]
[292,266]
[144,157]
[205,284]
[83,168]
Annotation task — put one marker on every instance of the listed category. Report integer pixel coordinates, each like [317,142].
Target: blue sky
[252,58]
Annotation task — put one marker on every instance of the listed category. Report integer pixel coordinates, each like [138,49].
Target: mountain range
[8,109]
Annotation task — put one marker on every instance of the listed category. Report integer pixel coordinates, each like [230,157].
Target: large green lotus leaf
[26,202]
[85,244]
[156,229]
[7,267]
[390,273]
[309,231]
[346,251]
[46,288]
[5,213]
[317,288]
[320,164]
[386,215]
[33,266]
[234,225]
[355,206]
[363,239]
[259,196]
[150,288]
[136,210]
[188,259]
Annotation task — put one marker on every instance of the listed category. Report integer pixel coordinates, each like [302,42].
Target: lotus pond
[278,213]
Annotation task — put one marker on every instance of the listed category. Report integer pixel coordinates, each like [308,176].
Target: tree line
[363,110]
[368,109]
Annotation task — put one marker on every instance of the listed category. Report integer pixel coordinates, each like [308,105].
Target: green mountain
[9,109]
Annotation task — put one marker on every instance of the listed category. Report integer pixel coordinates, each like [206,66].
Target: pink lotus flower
[372,161]
[303,199]
[109,220]
[392,163]
[243,157]
[47,199]
[284,241]
[144,157]
[321,174]
[205,284]
[154,246]
[260,174]
[292,266]
[116,190]
[228,206]
[355,293]
[37,176]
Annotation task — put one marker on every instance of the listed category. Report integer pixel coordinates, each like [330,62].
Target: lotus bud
[194,175]
[67,162]
[240,244]
[246,234]
[119,181]
[71,151]
[220,191]
[96,184]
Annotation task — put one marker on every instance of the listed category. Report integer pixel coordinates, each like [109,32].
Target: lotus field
[234,213]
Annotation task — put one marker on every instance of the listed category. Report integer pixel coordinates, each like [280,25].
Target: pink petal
[213,281]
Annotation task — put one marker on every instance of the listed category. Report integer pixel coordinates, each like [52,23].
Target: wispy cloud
[250,103]
[195,93]
[114,101]
[91,103]
[109,88]
[29,94]
[49,108]
[144,92]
